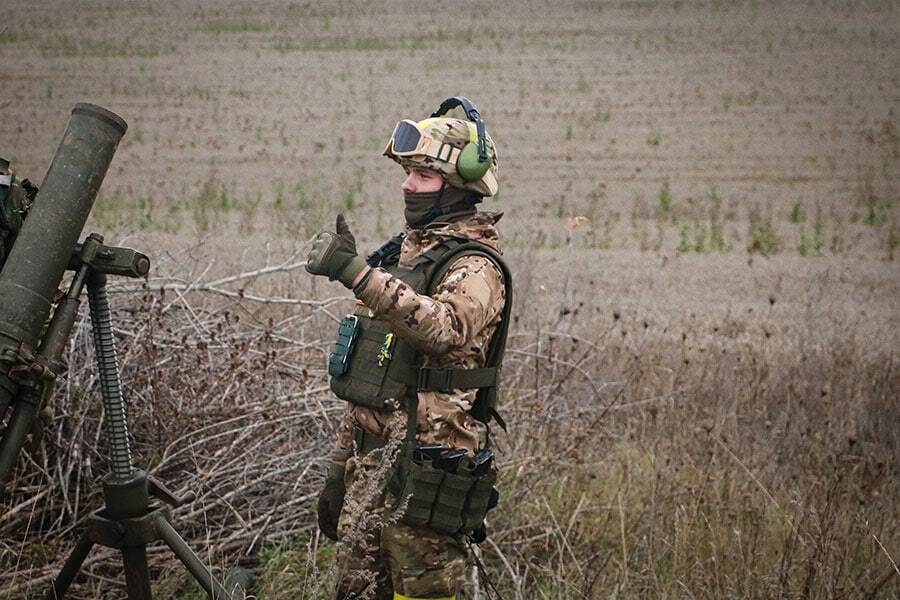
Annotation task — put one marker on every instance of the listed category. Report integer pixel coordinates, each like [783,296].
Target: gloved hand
[334,255]
[331,500]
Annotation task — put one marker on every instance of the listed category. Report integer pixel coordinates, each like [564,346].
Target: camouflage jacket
[452,328]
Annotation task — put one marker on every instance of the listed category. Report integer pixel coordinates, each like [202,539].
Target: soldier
[418,364]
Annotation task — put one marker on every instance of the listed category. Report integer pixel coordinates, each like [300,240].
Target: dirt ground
[738,163]
[672,126]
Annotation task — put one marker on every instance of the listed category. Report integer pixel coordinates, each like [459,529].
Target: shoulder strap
[388,253]
[486,378]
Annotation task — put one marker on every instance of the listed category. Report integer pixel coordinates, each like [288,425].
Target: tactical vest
[373,367]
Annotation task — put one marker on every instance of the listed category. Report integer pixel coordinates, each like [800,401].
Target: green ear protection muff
[474,160]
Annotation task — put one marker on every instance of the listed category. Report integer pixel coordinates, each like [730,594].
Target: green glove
[331,500]
[334,255]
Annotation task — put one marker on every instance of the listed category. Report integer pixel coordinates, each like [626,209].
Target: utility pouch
[339,358]
[448,513]
[419,491]
[479,501]
[441,492]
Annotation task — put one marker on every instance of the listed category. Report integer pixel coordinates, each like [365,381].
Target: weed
[12,37]
[684,239]
[235,27]
[665,197]
[797,214]
[762,238]
[278,203]
[727,101]
[654,139]
[353,191]
[568,132]
[717,241]
[878,212]
[64,46]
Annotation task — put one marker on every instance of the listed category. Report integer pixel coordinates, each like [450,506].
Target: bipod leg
[213,588]
[137,573]
[70,568]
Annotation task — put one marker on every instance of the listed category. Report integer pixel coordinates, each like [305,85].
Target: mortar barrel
[44,246]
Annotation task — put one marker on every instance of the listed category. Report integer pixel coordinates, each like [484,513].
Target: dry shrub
[639,463]
[725,469]
[218,403]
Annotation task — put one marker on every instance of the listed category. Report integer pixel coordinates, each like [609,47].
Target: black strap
[366,442]
[472,114]
[412,422]
[387,253]
[447,380]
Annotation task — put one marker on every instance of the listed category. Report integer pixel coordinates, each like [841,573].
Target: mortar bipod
[131,518]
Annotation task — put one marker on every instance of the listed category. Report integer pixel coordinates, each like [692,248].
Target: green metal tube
[44,246]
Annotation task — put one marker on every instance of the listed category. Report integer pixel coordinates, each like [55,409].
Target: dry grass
[639,463]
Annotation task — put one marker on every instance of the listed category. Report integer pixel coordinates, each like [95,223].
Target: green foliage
[892,243]
[762,239]
[355,189]
[665,197]
[12,37]
[65,46]
[717,241]
[727,101]
[235,27]
[878,212]
[278,203]
[568,132]
[296,569]
[654,139]
[797,213]
[684,239]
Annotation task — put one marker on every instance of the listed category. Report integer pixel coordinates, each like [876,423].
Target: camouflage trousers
[378,556]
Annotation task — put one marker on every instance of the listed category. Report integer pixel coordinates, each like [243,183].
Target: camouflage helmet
[443,138]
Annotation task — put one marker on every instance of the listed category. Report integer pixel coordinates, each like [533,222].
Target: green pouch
[478,500]
[447,515]
[339,358]
[419,492]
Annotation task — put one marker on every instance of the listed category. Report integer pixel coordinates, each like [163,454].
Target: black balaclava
[424,207]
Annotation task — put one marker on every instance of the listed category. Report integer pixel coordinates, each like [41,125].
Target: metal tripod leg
[130,519]
[193,563]
[70,568]
[137,573]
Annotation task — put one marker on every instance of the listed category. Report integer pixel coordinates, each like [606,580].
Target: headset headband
[472,115]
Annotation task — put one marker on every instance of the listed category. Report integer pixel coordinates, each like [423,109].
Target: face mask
[424,207]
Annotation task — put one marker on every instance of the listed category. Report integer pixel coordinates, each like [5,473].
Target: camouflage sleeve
[343,443]
[469,297]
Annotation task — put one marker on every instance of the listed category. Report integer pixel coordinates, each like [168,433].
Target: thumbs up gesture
[334,254]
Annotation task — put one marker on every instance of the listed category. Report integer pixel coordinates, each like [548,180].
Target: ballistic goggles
[408,140]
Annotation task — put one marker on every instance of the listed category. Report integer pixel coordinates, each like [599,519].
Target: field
[702,215]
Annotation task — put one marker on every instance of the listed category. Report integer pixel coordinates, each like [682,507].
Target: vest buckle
[438,380]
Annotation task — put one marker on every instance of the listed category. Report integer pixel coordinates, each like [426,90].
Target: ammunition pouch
[448,503]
